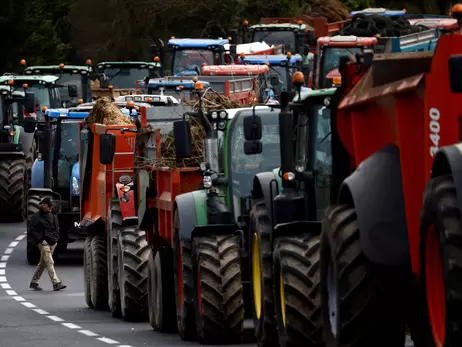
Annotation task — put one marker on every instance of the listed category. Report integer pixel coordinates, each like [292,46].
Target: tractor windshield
[242,167]
[125,77]
[68,150]
[331,58]
[66,79]
[279,72]
[192,59]
[42,94]
[276,37]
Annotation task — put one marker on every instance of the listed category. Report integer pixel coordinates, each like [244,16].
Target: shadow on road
[72,257]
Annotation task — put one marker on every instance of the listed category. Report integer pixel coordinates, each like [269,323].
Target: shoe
[59,286]
[35,286]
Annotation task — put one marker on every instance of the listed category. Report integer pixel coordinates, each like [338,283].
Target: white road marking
[13,294]
[71,326]
[88,333]
[108,341]
[56,319]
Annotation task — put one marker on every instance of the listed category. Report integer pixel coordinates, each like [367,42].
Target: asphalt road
[57,319]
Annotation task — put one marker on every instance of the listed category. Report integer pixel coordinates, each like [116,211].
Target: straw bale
[105,112]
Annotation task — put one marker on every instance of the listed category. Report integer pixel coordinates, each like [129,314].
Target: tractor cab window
[68,150]
[244,167]
[280,73]
[331,57]
[323,163]
[66,79]
[276,37]
[192,59]
[125,77]
[56,100]
[42,94]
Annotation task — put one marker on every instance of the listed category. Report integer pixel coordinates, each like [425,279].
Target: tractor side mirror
[455,72]
[29,102]
[72,91]
[103,81]
[183,141]
[29,125]
[107,146]
[252,135]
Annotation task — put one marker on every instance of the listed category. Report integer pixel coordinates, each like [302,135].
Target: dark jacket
[43,226]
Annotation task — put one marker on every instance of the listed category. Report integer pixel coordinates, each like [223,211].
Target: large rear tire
[133,253]
[184,285]
[13,189]
[220,302]
[114,223]
[161,293]
[296,290]
[441,266]
[361,305]
[98,286]
[87,260]
[261,266]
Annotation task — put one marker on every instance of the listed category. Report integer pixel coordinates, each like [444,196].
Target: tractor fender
[448,160]
[127,206]
[265,187]
[375,190]
[185,204]
[27,141]
[37,174]
[75,173]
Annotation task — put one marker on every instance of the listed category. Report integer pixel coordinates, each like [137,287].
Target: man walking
[44,230]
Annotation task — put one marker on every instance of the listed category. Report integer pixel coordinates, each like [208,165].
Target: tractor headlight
[207,181]
[75,186]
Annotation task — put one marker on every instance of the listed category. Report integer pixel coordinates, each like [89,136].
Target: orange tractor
[391,247]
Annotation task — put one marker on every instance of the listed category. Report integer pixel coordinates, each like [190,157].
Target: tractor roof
[29,79]
[315,93]
[278,27]
[379,12]
[145,97]
[66,113]
[233,111]
[163,83]
[48,68]
[135,64]
[271,59]
[5,89]
[197,43]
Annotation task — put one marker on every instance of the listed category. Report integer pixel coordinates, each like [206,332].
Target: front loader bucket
[404,99]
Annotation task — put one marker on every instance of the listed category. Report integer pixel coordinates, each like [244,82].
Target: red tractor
[391,247]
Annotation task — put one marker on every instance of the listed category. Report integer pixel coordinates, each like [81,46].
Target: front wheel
[441,266]
[296,291]
[359,302]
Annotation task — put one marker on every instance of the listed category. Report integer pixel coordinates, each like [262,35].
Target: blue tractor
[55,173]
[185,57]
[282,68]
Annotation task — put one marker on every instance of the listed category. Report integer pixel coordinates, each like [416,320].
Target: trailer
[393,233]
[259,71]
[154,224]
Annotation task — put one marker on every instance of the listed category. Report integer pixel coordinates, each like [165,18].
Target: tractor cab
[189,55]
[330,52]
[45,89]
[179,89]
[124,75]
[281,69]
[73,77]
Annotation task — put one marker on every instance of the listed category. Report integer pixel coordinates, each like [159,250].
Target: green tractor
[16,148]
[285,222]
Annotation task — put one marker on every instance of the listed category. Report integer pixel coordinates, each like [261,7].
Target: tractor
[56,173]
[16,149]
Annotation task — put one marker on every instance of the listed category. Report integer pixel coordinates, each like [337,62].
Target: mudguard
[265,187]
[127,208]
[37,174]
[75,179]
[192,210]
[448,160]
[376,190]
